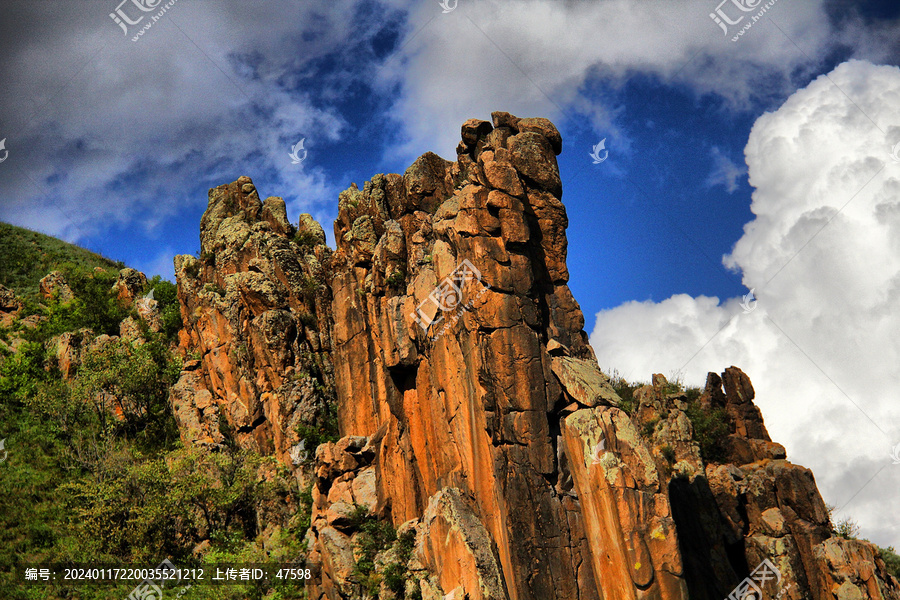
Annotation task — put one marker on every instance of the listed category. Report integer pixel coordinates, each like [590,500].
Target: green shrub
[192,269]
[672,387]
[890,558]
[650,427]
[846,528]
[625,391]
[308,320]
[111,376]
[137,508]
[325,431]
[710,431]
[396,573]
[668,453]
[166,295]
[374,536]
[397,278]
[309,287]
[21,372]
[214,288]
[94,306]
[305,239]
[304,512]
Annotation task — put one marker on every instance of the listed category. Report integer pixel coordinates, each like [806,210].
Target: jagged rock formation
[474,416]
[257,326]
[10,306]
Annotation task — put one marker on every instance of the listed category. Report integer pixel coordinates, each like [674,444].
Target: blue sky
[113,144]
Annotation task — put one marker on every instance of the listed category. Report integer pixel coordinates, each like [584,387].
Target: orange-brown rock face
[257,324]
[744,503]
[452,316]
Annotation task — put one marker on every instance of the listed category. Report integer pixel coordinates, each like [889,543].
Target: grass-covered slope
[93,469]
[26,256]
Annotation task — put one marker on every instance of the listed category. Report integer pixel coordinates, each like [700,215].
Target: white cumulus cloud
[823,255]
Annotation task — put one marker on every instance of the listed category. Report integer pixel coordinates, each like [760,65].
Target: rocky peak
[257,322]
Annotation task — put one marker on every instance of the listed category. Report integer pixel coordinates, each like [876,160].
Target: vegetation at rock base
[374,536]
[96,472]
[124,490]
[166,294]
[26,256]
[382,557]
[396,574]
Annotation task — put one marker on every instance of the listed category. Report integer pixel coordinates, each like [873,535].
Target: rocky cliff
[483,454]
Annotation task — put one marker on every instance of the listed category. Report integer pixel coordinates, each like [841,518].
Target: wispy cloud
[725,172]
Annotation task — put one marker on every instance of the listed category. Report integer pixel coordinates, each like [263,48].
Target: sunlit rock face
[256,314]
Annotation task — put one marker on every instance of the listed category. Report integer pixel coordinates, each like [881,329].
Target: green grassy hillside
[81,482]
[26,256]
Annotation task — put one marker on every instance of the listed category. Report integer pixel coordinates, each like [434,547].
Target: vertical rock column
[456,369]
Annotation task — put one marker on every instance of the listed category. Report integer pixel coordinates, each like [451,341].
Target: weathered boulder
[69,348]
[312,232]
[129,285]
[10,306]
[54,285]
